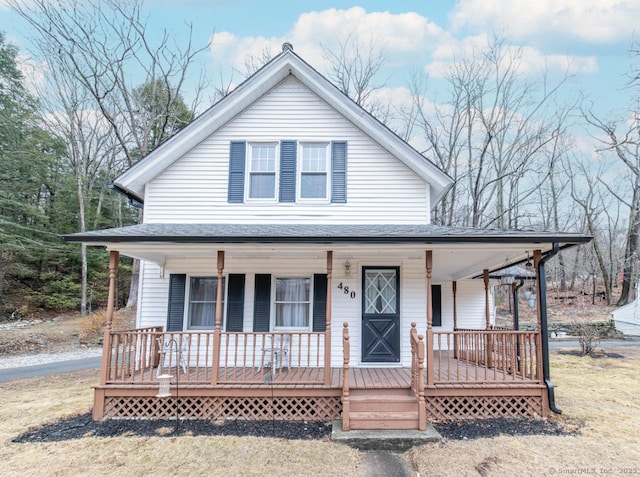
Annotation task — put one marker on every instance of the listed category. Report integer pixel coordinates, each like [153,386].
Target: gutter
[544,328]
[133,200]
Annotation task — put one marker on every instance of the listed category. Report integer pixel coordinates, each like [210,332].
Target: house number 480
[345,289]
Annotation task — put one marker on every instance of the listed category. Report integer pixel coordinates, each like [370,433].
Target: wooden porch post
[114,259]
[454,290]
[327,330]
[430,370]
[487,316]
[537,255]
[217,330]
[98,395]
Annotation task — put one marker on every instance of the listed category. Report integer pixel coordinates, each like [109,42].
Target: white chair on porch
[276,349]
[172,354]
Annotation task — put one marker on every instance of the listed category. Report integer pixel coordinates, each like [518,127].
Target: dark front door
[380,315]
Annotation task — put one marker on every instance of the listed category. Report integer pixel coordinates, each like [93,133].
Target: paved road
[57,367]
[603,344]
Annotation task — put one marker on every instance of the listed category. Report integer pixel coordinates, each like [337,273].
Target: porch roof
[321,234]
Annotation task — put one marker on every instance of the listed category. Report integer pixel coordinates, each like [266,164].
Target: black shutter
[235,302]
[262,303]
[237,155]
[339,172]
[319,302]
[288,153]
[175,312]
[436,303]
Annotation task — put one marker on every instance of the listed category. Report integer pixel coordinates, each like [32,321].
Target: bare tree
[625,146]
[495,136]
[106,47]
[354,67]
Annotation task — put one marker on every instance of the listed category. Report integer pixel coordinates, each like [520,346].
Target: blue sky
[590,38]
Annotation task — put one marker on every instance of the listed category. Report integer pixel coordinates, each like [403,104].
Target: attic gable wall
[380,189]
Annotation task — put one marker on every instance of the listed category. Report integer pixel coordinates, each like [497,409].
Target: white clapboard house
[289,265]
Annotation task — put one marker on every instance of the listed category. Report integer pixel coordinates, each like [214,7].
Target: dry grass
[92,326]
[598,395]
[36,401]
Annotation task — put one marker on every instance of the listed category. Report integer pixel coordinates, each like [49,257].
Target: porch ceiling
[458,252]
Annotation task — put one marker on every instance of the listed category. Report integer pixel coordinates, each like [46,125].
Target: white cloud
[587,21]
[32,72]
[401,36]
[530,61]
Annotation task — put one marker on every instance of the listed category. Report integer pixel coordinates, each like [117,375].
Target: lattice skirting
[250,408]
[454,408]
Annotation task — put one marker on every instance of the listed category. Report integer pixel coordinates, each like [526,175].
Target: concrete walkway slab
[387,440]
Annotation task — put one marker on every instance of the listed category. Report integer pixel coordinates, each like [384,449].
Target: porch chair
[277,347]
[171,355]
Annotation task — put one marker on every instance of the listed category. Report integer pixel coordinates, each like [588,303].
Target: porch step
[383,420]
[382,403]
[372,409]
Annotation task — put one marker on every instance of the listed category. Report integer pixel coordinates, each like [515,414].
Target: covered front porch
[451,361]
[471,374]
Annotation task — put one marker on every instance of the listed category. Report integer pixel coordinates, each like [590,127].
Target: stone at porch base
[388,440]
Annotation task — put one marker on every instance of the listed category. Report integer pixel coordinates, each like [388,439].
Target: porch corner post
[114,259]
[454,290]
[327,330]
[430,370]
[537,256]
[217,330]
[487,316]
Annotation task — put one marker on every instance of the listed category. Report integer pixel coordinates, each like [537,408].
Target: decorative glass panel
[293,302]
[380,291]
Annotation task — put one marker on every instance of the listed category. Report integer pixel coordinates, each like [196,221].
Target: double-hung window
[262,171]
[314,171]
[202,302]
[293,302]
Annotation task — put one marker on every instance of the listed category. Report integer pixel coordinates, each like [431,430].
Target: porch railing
[487,356]
[417,374]
[272,358]
[139,356]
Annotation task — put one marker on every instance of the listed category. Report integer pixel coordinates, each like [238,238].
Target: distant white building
[627,317]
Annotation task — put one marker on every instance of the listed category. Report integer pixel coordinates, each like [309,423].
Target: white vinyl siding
[380,189]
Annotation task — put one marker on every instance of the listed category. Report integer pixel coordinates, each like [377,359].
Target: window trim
[274,303]
[327,172]
[187,304]
[247,178]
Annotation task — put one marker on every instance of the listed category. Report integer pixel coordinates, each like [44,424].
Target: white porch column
[430,370]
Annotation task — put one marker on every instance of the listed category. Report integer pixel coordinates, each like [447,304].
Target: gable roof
[133,181]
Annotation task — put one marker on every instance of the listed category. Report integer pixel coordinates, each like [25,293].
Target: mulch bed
[82,425]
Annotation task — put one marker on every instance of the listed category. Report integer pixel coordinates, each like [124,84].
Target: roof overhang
[134,180]
[458,252]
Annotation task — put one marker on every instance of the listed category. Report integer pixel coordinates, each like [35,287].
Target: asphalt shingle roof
[326,233]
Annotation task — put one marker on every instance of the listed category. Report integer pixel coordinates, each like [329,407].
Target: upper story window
[287,171]
[262,167]
[314,171]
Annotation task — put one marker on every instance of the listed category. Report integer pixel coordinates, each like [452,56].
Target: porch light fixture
[347,268]
[165,381]
[528,264]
